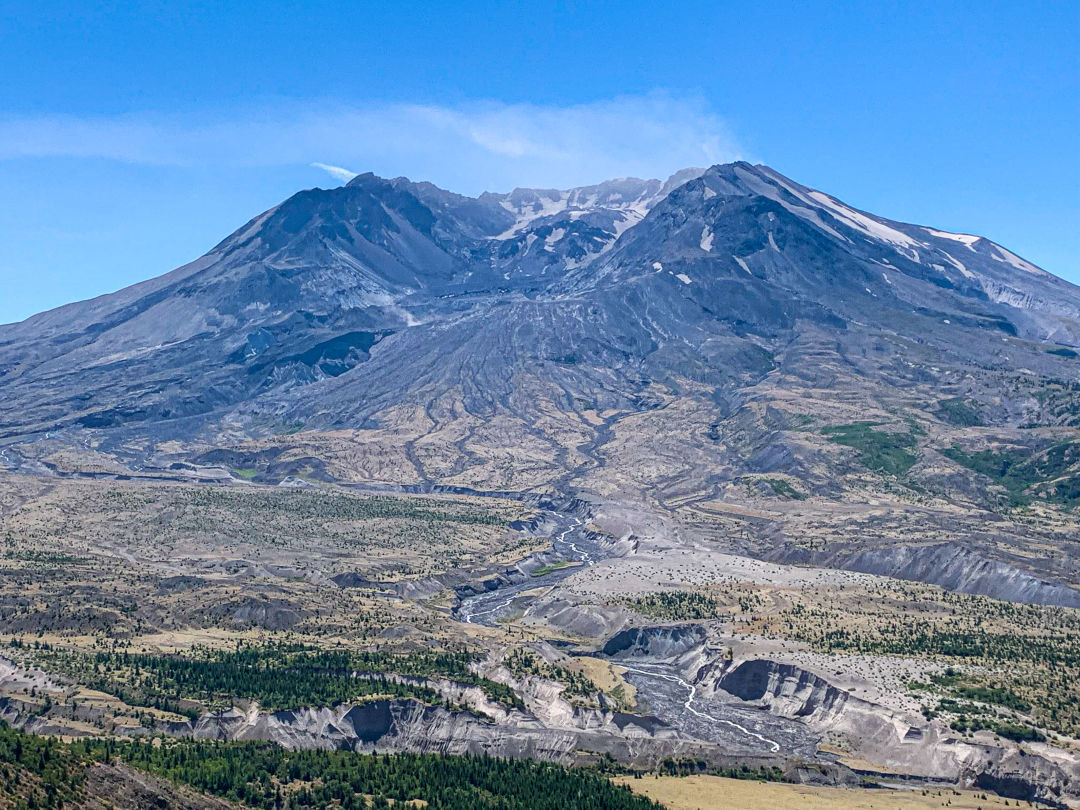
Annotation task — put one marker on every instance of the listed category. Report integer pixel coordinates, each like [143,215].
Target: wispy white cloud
[337,172]
[468,148]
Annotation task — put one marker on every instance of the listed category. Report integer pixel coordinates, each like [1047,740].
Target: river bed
[659,686]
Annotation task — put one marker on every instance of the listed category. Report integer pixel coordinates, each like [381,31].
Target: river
[659,685]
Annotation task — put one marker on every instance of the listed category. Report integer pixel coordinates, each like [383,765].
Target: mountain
[702,276]
[298,294]
[686,342]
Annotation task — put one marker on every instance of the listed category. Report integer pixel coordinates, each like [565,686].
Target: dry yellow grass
[717,793]
[607,676]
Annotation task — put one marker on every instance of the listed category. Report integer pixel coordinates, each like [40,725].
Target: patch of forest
[277,676]
[41,772]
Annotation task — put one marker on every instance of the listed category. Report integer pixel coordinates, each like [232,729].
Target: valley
[663,483]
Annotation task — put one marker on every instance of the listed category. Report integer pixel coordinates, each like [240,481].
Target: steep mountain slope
[301,291]
[718,288]
[304,291]
[298,294]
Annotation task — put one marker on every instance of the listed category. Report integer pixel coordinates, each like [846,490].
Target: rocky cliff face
[955,566]
[117,785]
[681,668]
[659,643]
[384,726]
[557,732]
[908,744]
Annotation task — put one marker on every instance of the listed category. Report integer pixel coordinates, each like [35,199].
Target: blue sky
[136,135]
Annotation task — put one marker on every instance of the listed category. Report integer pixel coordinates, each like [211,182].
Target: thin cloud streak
[337,172]
[469,148]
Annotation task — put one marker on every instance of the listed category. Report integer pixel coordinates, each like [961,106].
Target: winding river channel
[569,542]
[659,685]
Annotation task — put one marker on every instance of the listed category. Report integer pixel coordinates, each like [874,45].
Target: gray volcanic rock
[567,327]
[299,294]
[340,303]
[958,569]
[757,250]
[902,742]
[118,785]
[659,642]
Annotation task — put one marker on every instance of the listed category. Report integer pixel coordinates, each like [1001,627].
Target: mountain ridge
[721,265]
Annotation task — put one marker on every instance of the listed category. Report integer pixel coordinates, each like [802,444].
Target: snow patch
[861,222]
[1003,255]
[630,217]
[530,206]
[554,236]
[543,207]
[657,266]
[773,188]
[742,264]
[685,279]
[965,238]
[706,239]
[958,265]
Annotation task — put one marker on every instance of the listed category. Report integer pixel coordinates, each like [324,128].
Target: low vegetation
[1059,403]
[777,487]
[701,792]
[579,689]
[1049,474]
[877,450]
[544,570]
[960,412]
[676,605]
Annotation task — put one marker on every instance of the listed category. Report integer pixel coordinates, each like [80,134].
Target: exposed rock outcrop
[659,642]
[949,565]
[895,740]
[406,725]
[956,568]
[117,785]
